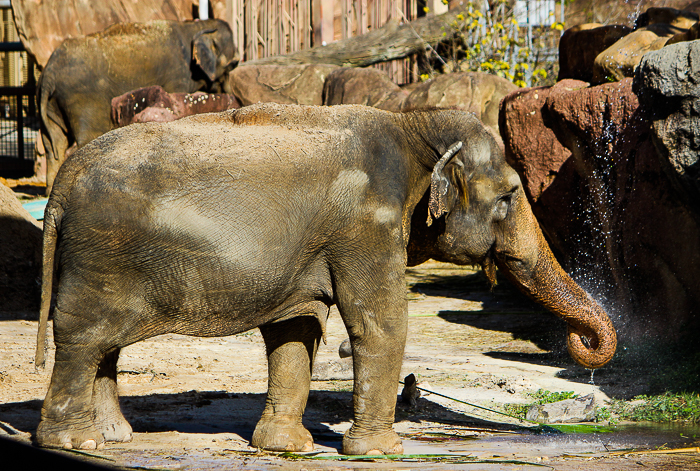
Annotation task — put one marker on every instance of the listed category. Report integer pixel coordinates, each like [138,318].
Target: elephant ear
[439,184]
[203,53]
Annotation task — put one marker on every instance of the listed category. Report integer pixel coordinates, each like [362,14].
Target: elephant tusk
[438,184]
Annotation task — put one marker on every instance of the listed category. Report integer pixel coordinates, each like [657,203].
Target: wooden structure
[265,28]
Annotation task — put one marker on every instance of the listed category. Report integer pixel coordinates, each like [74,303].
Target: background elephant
[265,217]
[84,74]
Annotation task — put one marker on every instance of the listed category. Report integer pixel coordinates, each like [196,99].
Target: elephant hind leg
[67,416]
[108,415]
[291,346]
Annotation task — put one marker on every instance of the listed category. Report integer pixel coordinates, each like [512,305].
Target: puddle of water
[525,445]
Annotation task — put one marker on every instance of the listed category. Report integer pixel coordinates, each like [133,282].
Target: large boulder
[682,19]
[581,44]
[614,218]
[363,86]
[476,92]
[533,149]
[151,104]
[619,60]
[20,256]
[690,35]
[653,29]
[293,84]
[668,85]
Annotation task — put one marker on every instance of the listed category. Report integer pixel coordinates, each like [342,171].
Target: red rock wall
[597,185]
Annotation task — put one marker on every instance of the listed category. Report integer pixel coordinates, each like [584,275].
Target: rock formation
[155,104]
[591,166]
[476,92]
[668,86]
[295,84]
[600,54]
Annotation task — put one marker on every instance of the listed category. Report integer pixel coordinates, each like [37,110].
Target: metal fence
[19,121]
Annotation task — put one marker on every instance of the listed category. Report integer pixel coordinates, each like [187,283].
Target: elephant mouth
[504,258]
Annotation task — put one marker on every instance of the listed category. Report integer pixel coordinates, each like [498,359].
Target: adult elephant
[84,74]
[265,217]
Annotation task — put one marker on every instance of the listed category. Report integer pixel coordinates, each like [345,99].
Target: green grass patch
[666,407]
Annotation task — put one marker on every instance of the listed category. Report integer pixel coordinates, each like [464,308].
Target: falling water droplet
[591,381]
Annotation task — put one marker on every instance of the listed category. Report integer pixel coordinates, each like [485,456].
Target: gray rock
[581,409]
[667,83]
[332,370]
[345,349]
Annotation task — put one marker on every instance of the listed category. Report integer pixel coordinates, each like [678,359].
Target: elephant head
[213,51]
[477,213]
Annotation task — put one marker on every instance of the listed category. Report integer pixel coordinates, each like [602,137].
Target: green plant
[666,407]
[605,414]
[491,40]
[541,396]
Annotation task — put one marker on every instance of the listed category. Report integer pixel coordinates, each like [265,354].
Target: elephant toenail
[101,446]
[127,438]
[88,445]
[374,452]
[68,446]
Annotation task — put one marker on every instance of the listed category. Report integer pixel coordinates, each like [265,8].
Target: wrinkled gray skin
[265,217]
[84,74]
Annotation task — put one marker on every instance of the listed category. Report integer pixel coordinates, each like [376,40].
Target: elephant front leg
[291,346]
[377,324]
[108,415]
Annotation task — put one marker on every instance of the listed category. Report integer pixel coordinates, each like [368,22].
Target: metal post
[20,126]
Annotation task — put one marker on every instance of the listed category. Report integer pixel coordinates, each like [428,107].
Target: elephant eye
[501,209]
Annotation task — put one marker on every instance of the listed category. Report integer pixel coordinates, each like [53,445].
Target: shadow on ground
[635,369]
[223,412]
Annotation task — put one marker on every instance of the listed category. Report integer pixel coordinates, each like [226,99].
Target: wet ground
[193,402]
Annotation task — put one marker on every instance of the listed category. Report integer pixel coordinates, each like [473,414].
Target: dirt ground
[193,402]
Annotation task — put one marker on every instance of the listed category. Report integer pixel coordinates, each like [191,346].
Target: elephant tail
[52,220]
[52,120]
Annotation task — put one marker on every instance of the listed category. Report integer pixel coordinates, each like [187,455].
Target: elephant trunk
[591,336]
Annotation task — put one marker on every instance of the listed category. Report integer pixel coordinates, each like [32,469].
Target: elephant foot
[115,430]
[281,434]
[81,436]
[374,443]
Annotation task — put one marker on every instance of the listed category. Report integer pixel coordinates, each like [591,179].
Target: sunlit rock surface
[580,409]
[363,86]
[290,84]
[476,92]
